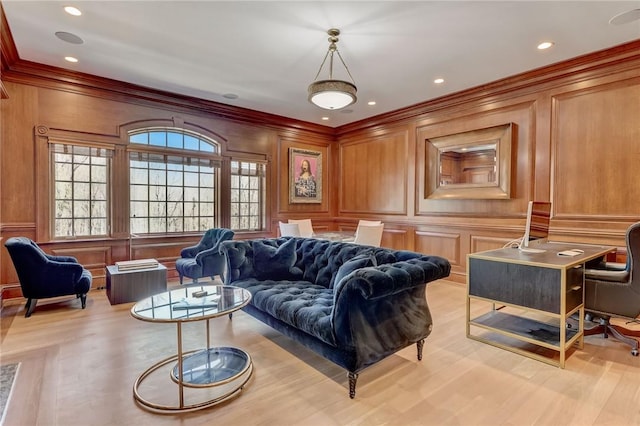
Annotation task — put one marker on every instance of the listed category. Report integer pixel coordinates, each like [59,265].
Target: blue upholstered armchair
[43,276]
[204,259]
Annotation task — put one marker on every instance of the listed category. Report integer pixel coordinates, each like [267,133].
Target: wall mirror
[470,165]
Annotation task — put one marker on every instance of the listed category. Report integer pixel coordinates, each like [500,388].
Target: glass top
[193,303]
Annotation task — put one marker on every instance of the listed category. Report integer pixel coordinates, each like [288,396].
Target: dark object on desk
[615,290]
[43,276]
[204,259]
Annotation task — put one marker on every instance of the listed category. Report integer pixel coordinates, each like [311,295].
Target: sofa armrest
[378,310]
[387,279]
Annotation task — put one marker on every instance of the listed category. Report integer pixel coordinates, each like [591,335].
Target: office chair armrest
[619,276]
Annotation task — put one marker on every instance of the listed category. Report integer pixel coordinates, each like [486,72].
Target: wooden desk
[527,298]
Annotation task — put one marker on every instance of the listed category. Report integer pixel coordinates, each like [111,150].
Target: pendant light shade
[332,94]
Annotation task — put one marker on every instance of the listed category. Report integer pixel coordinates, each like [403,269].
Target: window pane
[139,192]
[157,177]
[206,209]
[174,178]
[157,193]
[64,209]
[82,209]
[64,191]
[174,140]
[158,138]
[64,171]
[98,191]
[140,176]
[191,143]
[99,209]
[139,209]
[81,173]
[81,191]
[98,174]
[64,228]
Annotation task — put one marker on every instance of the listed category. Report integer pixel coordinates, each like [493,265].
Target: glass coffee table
[225,367]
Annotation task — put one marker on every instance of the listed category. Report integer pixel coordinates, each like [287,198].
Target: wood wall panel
[395,238]
[373,175]
[596,135]
[442,244]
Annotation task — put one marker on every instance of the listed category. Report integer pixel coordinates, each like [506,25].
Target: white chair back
[289,229]
[369,235]
[306,228]
[369,222]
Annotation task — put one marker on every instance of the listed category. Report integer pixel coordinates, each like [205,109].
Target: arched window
[174,179]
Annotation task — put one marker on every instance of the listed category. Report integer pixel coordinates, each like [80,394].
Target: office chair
[615,291]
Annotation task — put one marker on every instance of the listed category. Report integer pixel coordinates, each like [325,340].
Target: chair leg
[605,328]
[180,279]
[31,305]
[83,300]
[420,345]
[626,339]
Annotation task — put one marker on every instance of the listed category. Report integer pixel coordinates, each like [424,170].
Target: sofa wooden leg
[420,345]
[353,378]
[83,300]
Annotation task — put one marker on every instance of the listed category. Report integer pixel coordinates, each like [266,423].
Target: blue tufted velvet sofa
[351,304]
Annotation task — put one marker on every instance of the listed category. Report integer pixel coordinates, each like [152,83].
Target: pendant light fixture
[332,94]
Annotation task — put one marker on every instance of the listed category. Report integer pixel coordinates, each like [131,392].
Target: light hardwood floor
[78,368]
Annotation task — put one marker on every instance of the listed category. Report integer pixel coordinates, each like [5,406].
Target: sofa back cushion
[275,263]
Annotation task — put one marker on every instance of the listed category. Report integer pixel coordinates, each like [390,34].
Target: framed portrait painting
[305,176]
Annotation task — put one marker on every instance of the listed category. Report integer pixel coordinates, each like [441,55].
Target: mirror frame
[503,136]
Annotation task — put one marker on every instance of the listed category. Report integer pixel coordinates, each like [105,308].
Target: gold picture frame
[305,176]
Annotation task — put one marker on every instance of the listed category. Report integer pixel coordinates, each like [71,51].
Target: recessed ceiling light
[545,45]
[69,38]
[325,118]
[230,96]
[70,59]
[72,10]
[438,80]
[371,103]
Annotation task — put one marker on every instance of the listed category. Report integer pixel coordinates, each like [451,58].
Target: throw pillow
[357,262]
[275,263]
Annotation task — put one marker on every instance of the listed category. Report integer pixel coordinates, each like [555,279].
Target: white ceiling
[268,52]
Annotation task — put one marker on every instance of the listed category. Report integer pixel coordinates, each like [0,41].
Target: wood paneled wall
[576,145]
